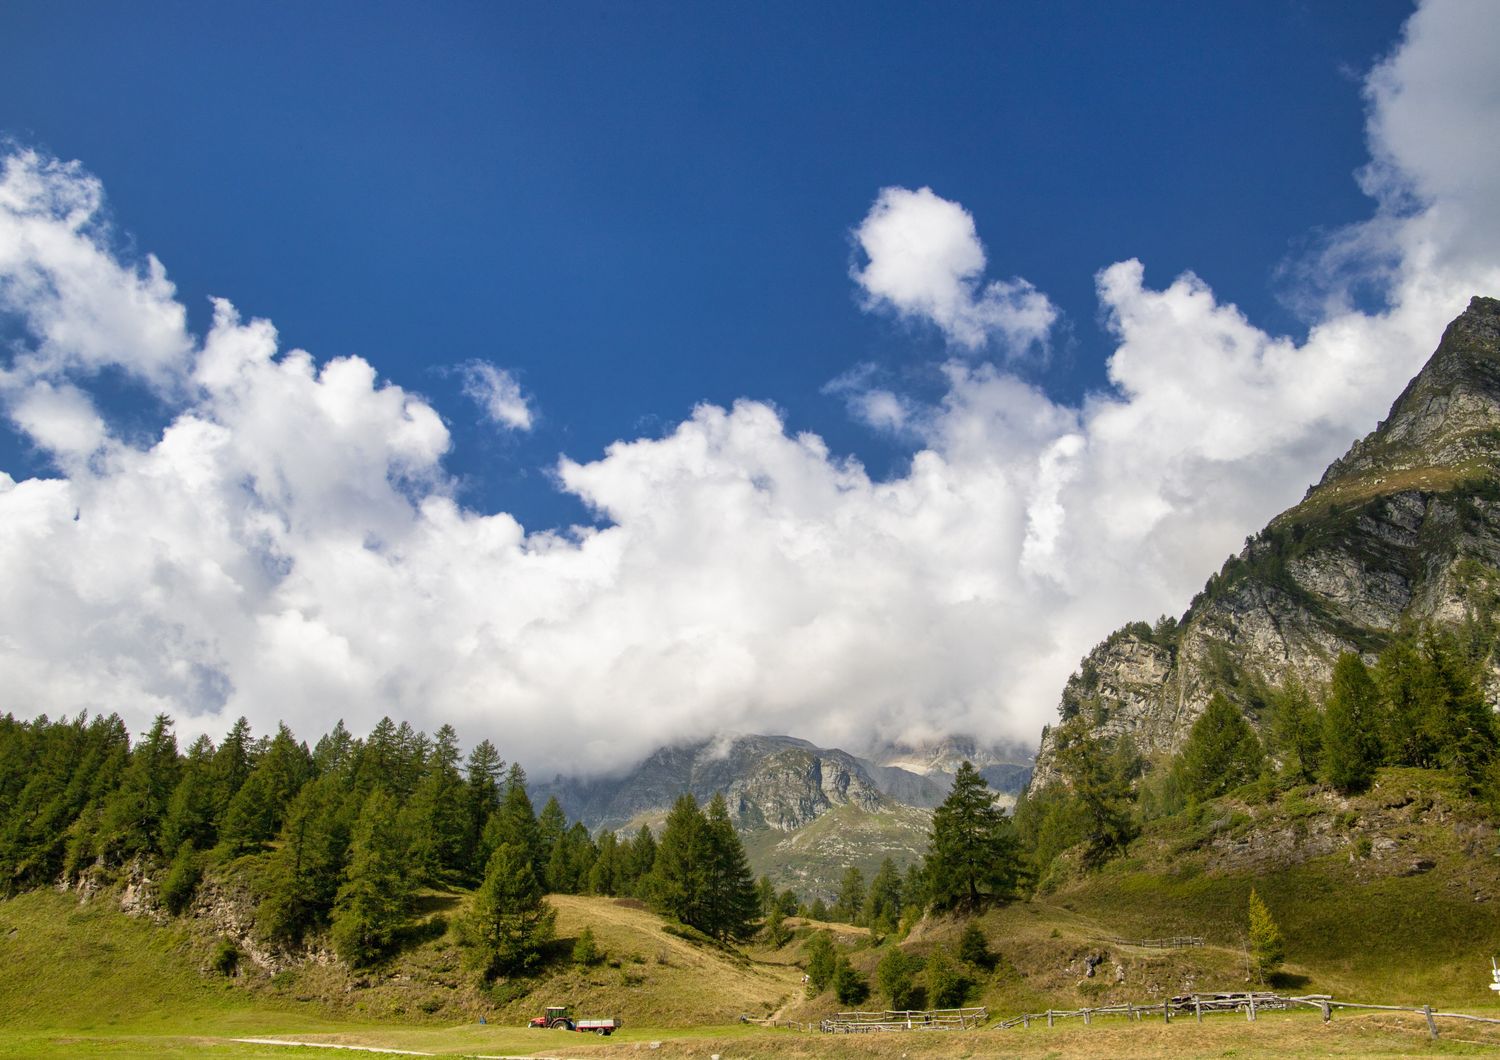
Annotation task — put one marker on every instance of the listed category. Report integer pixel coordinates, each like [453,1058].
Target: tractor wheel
[562,1024]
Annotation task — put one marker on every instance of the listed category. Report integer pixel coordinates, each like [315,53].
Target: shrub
[849,986]
[585,950]
[226,958]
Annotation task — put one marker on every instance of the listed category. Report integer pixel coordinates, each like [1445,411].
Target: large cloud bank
[289,546]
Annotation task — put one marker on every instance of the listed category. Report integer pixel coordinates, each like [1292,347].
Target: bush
[820,963]
[226,958]
[181,880]
[849,986]
[897,978]
[585,950]
[973,948]
[947,986]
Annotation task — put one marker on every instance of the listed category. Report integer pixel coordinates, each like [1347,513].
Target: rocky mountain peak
[1404,528]
[1447,418]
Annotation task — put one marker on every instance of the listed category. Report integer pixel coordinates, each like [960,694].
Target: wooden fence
[1176,942]
[1196,1005]
[934,1019]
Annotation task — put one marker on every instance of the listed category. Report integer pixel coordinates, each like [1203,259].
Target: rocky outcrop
[1404,528]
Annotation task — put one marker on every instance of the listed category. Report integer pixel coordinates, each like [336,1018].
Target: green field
[1392,897]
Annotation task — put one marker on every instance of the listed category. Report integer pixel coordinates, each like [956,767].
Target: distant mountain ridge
[1404,528]
[780,787]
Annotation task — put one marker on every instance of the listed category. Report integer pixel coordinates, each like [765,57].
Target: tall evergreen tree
[303,872]
[882,911]
[134,813]
[1351,744]
[851,900]
[1099,774]
[678,880]
[971,850]
[731,905]
[481,799]
[435,815]
[375,899]
[1297,731]
[509,923]
[190,811]
[1221,752]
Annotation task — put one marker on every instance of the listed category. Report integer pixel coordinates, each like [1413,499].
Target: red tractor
[557,1018]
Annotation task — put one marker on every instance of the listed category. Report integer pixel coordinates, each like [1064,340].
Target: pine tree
[974,948]
[1266,948]
[731,904]
[971,850]
[896,976]
[849,986]
[551,823]
[434,816]
[375,899]
[1099,774]
[820,963]
[882,911]
[1298,731]
[135,811]
[303,873]
[1351,746]
[190,811]
[851,900]
[679,877]
[605,876]
[481,799]
[638,858]
[1221,752]
[509,923]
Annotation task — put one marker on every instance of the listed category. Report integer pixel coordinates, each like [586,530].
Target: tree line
[339,837]
[1421,704]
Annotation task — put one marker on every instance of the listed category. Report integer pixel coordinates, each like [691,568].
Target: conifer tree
[882,911]
[1221,752]
[303,873]
[679,877]
[551,823]
[896,976]
[637,861]
[1266,948]
[851,899]
[971,849]
[509,923]
[190,811]
[605,875]
[947,985]
[135,811]
[434,816]
[730,903]
[1297,729]
[820,963]
[375,899]
[1351,745]
[1099,773]
[481,799]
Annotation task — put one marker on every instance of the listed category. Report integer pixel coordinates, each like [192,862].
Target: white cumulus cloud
[924,260]
[290,546]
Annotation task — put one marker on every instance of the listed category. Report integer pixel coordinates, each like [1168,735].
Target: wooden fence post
[1049,1017]
[1198,1010]
[1085,1017]
[1432,1031]
[1327,1011]
[1026,1020]
[1250,1013]
[1166,1011]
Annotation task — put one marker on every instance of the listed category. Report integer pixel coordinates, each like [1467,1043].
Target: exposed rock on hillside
[1404,528]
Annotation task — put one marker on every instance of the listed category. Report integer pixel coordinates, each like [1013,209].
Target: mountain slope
[1404,528]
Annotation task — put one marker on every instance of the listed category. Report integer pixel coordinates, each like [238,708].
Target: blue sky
[840,370]
[638,208]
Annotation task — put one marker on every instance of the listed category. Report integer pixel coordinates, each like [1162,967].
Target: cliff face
[1404,527]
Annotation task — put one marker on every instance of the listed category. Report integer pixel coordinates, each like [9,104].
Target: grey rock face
[1404,528]
[776,782]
